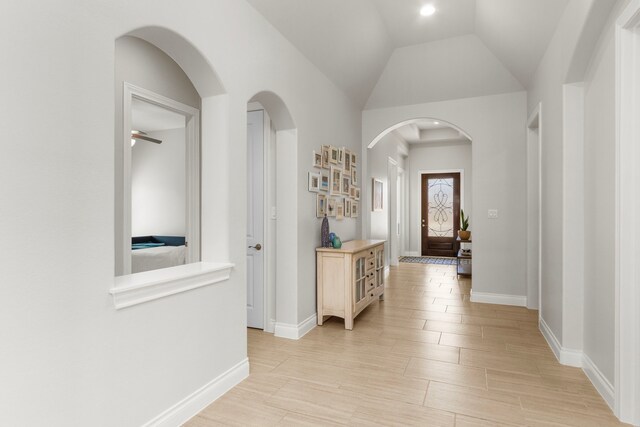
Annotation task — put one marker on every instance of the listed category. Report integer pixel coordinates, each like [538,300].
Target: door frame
[392,191]
[193,171]
[627,209]
[419,204]
[402,211]
[269,255]
[534,223]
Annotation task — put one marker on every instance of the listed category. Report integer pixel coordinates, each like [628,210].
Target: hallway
[424,356]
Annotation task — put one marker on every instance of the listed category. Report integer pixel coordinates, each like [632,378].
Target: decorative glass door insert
[440,193]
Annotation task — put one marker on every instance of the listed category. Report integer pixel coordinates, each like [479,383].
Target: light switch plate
[493,213]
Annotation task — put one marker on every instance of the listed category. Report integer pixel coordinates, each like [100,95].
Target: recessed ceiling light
[436,123]
[427,10]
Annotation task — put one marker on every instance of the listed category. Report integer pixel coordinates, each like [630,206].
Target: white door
[255,219]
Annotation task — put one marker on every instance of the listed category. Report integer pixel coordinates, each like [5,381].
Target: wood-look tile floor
[423,356]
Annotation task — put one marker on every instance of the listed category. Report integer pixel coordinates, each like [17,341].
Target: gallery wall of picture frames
[335,180]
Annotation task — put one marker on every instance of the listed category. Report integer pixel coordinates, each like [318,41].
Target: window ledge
[143,287]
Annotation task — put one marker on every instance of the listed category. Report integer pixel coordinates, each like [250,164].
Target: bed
[156,252]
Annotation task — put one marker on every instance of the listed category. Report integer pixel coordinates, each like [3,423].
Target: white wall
[84,362]
[565,62]
[599,181]
[377,167]
[436,157]
[158,185]
[497,126]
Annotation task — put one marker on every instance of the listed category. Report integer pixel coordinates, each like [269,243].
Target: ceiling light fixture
[427,10]
[436,123]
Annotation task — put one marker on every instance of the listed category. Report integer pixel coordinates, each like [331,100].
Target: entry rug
[428,260]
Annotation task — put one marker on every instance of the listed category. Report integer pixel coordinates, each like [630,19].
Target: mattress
[157,258]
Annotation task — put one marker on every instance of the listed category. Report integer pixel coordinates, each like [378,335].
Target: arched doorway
[271,267]
[404,154]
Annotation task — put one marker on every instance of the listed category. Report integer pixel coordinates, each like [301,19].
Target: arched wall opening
[211,129]
[497,124]
[276,189]
[399,156]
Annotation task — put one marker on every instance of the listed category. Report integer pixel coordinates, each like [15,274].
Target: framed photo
[314,182]
[340,210]
[317,159]
[347,160]
[324,181]
[347,208]
[333,155]
[354,159]
[331,206]
[376,196]
[346,184]
[354,175]
[355,209]
[325,157]
[335,183]
[355,193]
[341,156]
[321,205]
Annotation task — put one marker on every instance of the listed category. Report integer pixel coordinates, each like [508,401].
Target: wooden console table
[349,279]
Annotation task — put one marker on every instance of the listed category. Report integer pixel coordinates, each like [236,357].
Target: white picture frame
[335,181]
[314,182]
[377,194]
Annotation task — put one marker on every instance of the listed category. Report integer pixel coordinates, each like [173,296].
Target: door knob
[256,247]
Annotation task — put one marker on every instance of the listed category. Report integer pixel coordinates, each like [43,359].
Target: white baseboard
[565,356]
[599,381]
[191,405]
[578,359]
[410,253]
[487,298]
[295,332]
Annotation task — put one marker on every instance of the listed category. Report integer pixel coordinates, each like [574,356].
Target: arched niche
[281,198]
[212,133]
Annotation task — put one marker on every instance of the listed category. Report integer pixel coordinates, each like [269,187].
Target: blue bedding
[145,242]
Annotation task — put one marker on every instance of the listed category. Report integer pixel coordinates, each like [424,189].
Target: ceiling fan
[138,134]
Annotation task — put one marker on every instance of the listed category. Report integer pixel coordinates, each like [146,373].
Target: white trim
[489,298]
[627,251]
[192,143]
[565,356]
[410,121]
[412,253]
[193,404]
[535,122]
[295,332]
[599,381]
[578,359]
[139,288]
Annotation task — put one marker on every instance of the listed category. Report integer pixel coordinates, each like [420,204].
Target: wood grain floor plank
[424,356]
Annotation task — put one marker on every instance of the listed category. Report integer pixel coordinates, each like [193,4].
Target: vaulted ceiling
[352,41]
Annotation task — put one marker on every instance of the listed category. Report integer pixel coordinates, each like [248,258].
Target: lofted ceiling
[352,41]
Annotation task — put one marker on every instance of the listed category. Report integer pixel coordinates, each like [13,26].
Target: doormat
[428,260]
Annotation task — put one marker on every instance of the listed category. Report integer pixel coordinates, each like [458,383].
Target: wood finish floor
[425,356]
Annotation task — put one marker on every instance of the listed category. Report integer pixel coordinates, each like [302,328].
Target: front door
[255,219]
[440,214]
